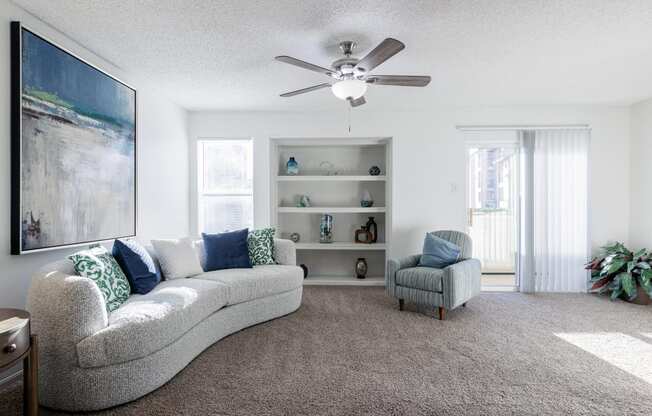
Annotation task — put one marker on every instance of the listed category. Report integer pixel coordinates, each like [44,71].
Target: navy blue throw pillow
[227,250]
[137,265]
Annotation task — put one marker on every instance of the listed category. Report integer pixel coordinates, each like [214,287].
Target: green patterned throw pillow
[261,246]
[100,266]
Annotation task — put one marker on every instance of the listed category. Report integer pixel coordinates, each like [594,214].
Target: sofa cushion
[146,323]
[226,250]
[100,266]
[177,258]
[422,278]
[257,282]
[137,265]
[261,246]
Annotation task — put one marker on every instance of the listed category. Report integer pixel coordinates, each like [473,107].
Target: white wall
[162,162]
[641,174]
[429,161]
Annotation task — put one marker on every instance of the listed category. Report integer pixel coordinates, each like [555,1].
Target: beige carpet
[349,351]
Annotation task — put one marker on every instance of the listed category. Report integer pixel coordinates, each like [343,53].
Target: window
[224,184]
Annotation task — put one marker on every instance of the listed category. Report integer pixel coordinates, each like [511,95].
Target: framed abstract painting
[73,149]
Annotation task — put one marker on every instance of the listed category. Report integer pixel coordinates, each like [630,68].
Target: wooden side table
[17,345]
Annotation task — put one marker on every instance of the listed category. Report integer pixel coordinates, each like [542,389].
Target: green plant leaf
[645,283]
[642,252]
[615,283]
[645,276]
[613,267]
[630,266]
[596,276]
[616,293]
[629,285]
[645,280]
[643,265]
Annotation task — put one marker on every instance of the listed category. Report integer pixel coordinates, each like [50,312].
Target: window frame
[198,180]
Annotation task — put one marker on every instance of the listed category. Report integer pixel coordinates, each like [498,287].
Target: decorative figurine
[304,201]
[292,166]
[363,235]
[361,268]
[374,171]
[295,237]
[328,167]
[373,229]
[366,201]
[326,229]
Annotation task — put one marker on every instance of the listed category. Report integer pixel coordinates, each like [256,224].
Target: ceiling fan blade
[399,80]
[385,50]
[305,65]
[357,102]
[304,90]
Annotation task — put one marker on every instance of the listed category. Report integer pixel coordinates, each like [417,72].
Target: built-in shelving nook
[334,174]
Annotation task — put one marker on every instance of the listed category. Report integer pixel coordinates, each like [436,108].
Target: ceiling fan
[352,75]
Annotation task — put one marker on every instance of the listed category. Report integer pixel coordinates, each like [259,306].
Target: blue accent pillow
[137,265]
[438,253]
[227,250]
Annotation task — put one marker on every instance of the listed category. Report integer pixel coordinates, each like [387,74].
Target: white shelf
[340,246]
[343,281]
[332,178]
[331,210]
[338,195]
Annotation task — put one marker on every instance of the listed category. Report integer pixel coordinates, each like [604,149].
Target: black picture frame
[16,108]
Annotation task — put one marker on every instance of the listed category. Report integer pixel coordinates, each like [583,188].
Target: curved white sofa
[91,359]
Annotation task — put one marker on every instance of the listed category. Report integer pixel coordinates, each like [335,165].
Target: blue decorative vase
[326,229]
[292,166]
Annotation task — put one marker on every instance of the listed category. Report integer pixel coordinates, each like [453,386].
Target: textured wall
[429,159]
[641,173]
[162,162]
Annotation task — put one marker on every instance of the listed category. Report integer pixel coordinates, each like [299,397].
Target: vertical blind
[558,203]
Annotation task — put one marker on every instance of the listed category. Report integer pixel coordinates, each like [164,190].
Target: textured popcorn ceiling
[219,54]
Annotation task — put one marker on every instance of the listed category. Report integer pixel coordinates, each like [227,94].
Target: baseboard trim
[499,289]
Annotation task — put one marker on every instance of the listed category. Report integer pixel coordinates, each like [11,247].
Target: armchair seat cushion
[422,278]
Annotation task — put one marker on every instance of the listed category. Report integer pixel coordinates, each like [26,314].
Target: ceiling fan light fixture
[349,89]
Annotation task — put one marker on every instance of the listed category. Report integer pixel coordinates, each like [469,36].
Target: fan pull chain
[349,119]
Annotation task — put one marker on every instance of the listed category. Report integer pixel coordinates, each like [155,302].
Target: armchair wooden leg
[442,313]
[401,302]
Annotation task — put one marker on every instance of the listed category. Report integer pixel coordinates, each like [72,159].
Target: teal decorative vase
[292,166]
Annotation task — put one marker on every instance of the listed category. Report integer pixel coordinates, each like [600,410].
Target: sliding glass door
[493,210]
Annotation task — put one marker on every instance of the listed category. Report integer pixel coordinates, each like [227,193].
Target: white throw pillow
[199,249]
[177,258]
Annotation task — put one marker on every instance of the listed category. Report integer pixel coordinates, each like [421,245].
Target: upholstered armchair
[446,288]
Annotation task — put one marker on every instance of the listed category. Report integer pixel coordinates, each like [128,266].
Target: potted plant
[622,272]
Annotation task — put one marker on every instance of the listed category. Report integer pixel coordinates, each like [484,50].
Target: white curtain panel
[559,211]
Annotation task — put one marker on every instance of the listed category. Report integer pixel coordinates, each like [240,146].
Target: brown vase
[642,297]
[361,268]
